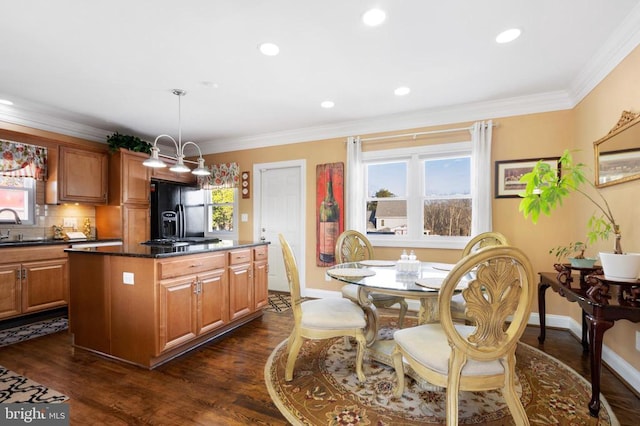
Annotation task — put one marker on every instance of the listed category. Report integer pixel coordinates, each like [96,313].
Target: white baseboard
[621,367]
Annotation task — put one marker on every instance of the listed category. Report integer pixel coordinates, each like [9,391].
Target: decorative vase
[624,267]
[586,262]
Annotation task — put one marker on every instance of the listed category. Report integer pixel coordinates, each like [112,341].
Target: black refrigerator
[177,211]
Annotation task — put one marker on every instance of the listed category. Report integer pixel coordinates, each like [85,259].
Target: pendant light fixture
[155,161]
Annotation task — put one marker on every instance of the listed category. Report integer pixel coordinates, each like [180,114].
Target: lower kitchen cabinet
[32,286]
[190,306]
[150,310]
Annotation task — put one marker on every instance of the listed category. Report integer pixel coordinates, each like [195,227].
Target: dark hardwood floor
[221,383]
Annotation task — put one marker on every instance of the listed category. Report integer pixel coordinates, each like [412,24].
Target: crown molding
[543,102]
[617,47]
[42,119]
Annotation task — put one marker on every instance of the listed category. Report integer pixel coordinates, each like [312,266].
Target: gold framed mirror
[617,155]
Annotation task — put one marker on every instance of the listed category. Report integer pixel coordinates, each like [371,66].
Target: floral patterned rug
[325,391]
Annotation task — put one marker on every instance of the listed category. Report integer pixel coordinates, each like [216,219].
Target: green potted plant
[132,143]
[546,189]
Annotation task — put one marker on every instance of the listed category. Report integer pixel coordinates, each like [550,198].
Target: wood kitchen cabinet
[77,175]
[260,277]
[39,284]
[147,309]
[127,215]
[191,304]
[241,295]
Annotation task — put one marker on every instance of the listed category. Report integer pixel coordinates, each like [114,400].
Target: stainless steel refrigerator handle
[183,222]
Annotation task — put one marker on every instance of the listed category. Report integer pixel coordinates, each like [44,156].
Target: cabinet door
[45,285]
[83,176]
[136,224]
[135,178]
[178,306]
[10,301]
[213,308]
[260,283]
[240,290]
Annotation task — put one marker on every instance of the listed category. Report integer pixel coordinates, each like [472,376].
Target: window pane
[387,180]
[448,177]
[221,218]
[387,217]
[447,217]
[221,214]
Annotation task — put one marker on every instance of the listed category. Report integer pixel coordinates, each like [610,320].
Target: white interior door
[279,194]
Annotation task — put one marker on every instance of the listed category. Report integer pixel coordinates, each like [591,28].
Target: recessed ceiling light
[374,17]
[327,104]
[401,91]
[269,49]
[210,84]
[508,35]
[5,102]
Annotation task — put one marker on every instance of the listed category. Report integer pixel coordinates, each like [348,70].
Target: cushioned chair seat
[332,314]
[428,345]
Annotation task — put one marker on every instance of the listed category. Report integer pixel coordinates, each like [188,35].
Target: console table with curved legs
[603,302]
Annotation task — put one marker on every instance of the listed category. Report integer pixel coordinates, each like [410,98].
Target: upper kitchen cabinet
[77,176]
[129,181]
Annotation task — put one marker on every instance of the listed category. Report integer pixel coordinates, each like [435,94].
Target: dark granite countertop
[141,250]
[48,241]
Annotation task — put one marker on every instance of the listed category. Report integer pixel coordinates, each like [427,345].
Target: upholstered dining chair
[353,246]
[481,240]
[479,357]
[320,318]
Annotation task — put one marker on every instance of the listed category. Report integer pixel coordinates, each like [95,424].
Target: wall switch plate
[637,340]
[244,217]
[127,278]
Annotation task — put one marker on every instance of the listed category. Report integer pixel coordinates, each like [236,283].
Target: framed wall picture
[245,185]
[508,174]
[329,210]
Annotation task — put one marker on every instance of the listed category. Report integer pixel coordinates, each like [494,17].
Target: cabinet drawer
[260,253]
[239,256]
[191,265]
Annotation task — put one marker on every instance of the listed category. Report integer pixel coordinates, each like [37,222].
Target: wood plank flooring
[221,383]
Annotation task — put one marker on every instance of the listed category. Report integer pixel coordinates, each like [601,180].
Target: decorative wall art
[245,185]
[329,210]
[508,174]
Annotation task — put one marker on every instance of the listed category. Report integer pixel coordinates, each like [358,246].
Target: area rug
[17,388]
[325,391]
[278,302]
[30,331]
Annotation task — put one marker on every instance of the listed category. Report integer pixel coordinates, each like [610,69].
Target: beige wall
[522,137]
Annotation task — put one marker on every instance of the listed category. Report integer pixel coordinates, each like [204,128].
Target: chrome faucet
[15,213]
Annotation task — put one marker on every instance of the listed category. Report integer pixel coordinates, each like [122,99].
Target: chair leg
[362,346]
[453,385]
[347,343]
[404,306]
[399,367]
[511,397]
[295,343]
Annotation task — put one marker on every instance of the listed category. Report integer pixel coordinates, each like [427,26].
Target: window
[419,196]
[17,195]
[222,207]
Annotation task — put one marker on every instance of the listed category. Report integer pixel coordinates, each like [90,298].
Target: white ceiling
[89,68]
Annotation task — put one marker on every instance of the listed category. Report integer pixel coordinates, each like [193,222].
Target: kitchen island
[146,305]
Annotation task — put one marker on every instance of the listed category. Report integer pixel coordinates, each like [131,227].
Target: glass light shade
[201,170]
[154,160]
[179,167]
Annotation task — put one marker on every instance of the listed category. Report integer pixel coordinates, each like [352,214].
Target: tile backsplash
[48,215]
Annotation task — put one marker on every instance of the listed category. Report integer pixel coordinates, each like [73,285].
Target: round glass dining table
[378,276]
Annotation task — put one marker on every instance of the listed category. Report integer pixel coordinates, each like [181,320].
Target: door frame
[257,210]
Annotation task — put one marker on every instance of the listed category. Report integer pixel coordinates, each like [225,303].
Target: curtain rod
[414,135]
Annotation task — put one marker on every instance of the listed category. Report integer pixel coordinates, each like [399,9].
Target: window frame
[415,193]
[28,214]
[223,235]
